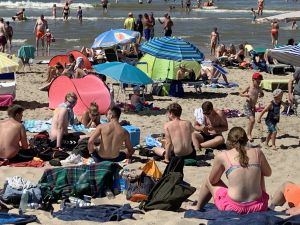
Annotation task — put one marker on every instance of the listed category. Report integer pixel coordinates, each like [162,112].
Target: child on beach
[252,93]
[253,13]
[79,14]
[54,11]
[49,38]
[273,116]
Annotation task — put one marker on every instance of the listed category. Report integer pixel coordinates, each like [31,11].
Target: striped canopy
[172,48]
[8,63]
[287,54]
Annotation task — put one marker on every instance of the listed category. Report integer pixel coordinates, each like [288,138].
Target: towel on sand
[216,217]
[223,85]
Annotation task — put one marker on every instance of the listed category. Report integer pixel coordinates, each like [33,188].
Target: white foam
[39,5]
[71,40]
[19,40]
[188,18]
[238,11]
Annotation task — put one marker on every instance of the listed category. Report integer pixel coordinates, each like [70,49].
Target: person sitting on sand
[209,134]
[91,117]
[240,55]
[182,72]
[245,169]
[211,73]
[70,68]
[63,116]
[287,193]
[53,72]
[178,136]
[12,133]
[111,136]
[231,52]
[136,99]
[221,51]
[20,15]
[78,69]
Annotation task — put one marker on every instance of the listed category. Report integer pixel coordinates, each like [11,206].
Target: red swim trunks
[40,34]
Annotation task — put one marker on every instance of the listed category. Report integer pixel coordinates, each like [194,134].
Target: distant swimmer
[19,15]
[294,25]
[260,7]
[66,11]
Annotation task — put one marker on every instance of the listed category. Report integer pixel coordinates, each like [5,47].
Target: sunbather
[209,134]
[178,135]
[78,69]
[111,136]
[245,169]
[91,117]
[287,193]
[12,133]
[211,73]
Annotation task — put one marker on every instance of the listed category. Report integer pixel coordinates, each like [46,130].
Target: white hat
[48,30]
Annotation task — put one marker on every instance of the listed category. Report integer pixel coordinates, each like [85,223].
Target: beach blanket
[100,213]
[216,217]
[231,113]
[223,85]
[9,218]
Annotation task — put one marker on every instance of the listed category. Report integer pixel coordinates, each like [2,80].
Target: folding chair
[25,53]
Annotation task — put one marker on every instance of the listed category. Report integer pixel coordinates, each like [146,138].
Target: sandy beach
[283,162]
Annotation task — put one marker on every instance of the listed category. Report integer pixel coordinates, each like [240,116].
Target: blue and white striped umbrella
[115,37]
[289,54]
[173,49]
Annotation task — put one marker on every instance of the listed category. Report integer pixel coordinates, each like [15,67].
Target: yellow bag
[151,169]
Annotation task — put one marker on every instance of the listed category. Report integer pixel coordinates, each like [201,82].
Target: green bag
[168,194]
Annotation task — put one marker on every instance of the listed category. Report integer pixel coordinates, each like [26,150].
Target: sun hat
[257,76]
[277,92]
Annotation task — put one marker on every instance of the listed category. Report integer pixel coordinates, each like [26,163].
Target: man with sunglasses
[209,134]
[63,116]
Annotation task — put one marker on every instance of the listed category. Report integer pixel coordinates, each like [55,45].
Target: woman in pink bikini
[245,169]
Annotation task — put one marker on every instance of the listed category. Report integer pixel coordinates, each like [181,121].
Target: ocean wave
[40,5]
[19,40]
[188,18]
[72,40]
[239,10]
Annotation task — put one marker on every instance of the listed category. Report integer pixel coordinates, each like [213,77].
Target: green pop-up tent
[162,69]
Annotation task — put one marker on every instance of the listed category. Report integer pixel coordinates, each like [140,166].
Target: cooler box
[134,133]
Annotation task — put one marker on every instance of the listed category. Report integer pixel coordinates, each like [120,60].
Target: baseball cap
[257,76]
[277,92]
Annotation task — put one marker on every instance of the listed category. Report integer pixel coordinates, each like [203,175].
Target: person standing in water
[54,11]
[66,11]
[253,13]
[79,14]
[260,7]
[274,33]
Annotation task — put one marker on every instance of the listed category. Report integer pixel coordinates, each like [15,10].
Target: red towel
[6,100]
[32,163]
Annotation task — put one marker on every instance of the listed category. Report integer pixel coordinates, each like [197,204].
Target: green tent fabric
[162,69]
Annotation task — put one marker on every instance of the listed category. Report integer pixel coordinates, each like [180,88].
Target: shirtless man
[20,15]
[147,26]
[9,35]
[260,7]
[40,28]
[63,116]
[209,134]
[3,40]
[168,24]
[178,134]
[111,136]
[214,41]
[252,93]
[12,133]
[181,73]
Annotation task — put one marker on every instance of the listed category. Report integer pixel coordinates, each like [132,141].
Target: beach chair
[25,53]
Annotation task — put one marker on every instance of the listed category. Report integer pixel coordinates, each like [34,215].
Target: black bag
[139,189]
[175,165]
[82,148]
[168,193]
[156,89]
[52,153]
[40,140]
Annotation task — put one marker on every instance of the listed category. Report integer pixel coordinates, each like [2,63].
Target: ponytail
[243,158]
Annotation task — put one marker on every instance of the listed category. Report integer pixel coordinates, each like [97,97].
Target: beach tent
[63,59]
[87,63]
[88,89]
[287,17]
[287,54]
[162,69]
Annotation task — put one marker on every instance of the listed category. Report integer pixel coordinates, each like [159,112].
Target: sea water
[232,17]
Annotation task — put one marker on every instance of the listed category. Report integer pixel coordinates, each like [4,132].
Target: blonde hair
[237,138]
[70,95]
[94,108]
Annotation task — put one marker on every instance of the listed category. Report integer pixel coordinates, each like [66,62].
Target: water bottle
[109,194]
[24,202]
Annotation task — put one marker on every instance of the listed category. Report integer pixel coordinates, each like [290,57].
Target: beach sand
[283,162]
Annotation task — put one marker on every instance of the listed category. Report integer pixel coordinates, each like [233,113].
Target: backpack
[139,189]
[168,194]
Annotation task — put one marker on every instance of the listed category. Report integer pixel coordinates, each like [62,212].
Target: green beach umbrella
[162,69]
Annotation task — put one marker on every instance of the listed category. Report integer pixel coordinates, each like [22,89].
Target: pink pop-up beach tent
[88,89]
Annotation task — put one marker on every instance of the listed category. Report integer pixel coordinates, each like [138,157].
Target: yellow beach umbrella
[8,63]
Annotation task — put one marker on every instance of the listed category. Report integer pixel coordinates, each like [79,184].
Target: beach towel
[216,217]
[231,113]
[9,218]
[198,113]
[223,85]
[36,126]
[100,213]
[6,100]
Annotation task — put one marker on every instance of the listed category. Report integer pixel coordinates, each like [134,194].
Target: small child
[54,11]
[253,15]
[79,14]
[273,116]
[252,93]
[49,38]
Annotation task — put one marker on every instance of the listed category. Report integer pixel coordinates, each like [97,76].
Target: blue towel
[36,126]
[9,218]
[216,217]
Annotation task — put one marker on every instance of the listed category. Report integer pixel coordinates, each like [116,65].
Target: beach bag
[175,165]
[82,148]
[40,140]
[138,190]
[52,153]
[168,194]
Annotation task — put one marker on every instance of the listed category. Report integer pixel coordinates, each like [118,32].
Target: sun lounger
[278,68]
[274,84]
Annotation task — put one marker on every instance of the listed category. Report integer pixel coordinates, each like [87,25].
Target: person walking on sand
[79,14]
[40,28]
[273,116]
[214,41]
[3,40]
[152,20]
[252,93]
[274,33]
[245,169]
[12,132]
[147,27]
[9,35]
[66,11]
[260,7]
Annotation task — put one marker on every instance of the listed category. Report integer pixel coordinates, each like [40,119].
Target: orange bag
[151,170]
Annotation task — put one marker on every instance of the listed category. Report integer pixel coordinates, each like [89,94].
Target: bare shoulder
[220,112]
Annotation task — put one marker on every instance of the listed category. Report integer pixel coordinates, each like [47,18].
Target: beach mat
[223,85]
[216,217]
[9,218]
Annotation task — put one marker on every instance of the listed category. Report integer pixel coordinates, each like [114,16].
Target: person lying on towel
[287,193]
[63,116]
[111,137]
[12,133]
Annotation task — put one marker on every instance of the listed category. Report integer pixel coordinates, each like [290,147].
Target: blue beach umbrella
[115,37]
[172,48]
[124,73]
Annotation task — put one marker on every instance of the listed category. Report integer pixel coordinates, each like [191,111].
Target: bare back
[59,121]
[2,29]
[180,134]
[11,133]
[216,119]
